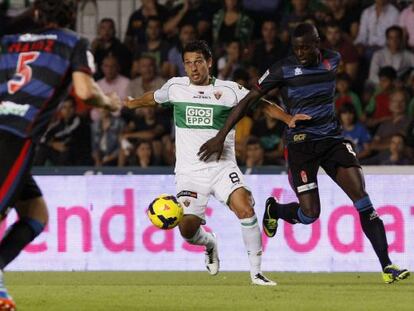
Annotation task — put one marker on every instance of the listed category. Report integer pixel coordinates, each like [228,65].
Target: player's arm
[89,91]
[276,112]
[146,100]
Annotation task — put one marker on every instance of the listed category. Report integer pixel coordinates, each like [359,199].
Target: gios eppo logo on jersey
[198,116]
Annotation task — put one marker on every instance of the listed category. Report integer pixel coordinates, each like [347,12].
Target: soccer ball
[165,212]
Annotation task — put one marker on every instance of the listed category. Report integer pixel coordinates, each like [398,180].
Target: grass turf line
[35,291]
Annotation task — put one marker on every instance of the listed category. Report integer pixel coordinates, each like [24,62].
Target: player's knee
[188,226]
[308,217]
[244,211]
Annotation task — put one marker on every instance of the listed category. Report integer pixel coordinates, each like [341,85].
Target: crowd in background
[374,89]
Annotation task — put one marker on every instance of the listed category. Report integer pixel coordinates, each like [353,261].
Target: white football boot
[212,259]
[260,279]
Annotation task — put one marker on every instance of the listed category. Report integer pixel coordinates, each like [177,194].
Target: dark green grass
[199,291]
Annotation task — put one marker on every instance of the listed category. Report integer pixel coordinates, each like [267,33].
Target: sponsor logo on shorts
[199,116]
[186,193]
[299,137]
[13,109]
[304,177]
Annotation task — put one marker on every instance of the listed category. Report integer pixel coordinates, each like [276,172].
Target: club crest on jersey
[186,203]
[298,71]
[218,94]
[304,177]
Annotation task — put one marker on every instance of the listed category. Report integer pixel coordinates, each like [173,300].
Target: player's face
[197,68]
[305,49]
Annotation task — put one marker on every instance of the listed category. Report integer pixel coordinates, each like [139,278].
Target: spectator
[231,24]
[140,155]
[269,49]
[148,79]
[143,125]
[345,95]
[347,20]
[397,124]
[112,80]
[393,55]
[155,46]
[230,62]
[270,133]
[107,43]
[254,154]
[198,13]
[407,23]
[336,40]
[375,20]
[105,142]
[261,11]
[301,14]
[168,150]
[175,61]
[354,131]
[377,109]
[58,146]
[396,154]
[135,34]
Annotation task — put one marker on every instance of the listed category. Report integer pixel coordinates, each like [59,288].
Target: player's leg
[344,169]
[194,204]
[303,168]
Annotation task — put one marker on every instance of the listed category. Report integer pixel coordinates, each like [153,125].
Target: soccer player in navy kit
[36,70]
[306,81]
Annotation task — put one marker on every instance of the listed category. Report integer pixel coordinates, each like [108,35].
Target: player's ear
[210,62]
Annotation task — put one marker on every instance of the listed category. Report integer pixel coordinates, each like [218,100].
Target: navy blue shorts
[16,182]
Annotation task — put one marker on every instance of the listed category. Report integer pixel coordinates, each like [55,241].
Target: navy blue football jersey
[309,90]
[35,74]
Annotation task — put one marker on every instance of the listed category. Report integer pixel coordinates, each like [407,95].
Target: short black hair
[199,46]
[348,107]
[387,72]
[61,12]
[394,28]
[304,29]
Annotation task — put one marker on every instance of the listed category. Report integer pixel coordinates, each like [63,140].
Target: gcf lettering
[198,116]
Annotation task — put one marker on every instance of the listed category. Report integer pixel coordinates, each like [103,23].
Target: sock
[253,242]
[374,230]
[287,212]
[201,237]
[21,233]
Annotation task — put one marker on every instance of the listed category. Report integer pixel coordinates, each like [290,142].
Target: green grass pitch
[198,291]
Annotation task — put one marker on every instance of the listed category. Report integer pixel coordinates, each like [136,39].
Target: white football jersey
[200,111]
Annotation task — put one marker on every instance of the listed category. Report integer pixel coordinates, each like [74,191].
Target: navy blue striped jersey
[309,90]
[35,74]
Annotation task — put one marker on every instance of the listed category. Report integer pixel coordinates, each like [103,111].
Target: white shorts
[195,188]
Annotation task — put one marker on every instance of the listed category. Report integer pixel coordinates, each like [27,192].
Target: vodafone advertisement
[98,222]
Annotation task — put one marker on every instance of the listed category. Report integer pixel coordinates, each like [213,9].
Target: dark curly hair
[61,12]
[199,46]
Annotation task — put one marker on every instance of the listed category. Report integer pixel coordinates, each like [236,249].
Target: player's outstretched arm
[87,90]
[146,100]
[215,144]
[275,111]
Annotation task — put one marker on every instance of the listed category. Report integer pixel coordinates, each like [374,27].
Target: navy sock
[21,233]
[287,212]
[374,230]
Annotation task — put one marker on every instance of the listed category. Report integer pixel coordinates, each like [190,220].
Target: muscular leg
[305,212]
[351,180]
[33,217]
[241,203]
[193,233]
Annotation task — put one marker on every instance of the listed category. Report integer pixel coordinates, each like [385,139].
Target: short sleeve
[240,91]
[82,58]
[161,96]
[271,79]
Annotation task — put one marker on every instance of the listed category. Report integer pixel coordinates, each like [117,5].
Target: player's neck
[207,81]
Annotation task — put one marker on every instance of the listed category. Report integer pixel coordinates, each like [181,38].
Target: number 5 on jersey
[23,73]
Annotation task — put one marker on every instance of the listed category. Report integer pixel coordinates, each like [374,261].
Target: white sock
[253,242]
[201,237]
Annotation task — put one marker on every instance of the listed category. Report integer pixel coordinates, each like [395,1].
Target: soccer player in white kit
[201,104]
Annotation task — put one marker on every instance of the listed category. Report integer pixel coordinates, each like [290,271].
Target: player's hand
[116,103]
[211,146]
[129,102]
[298,117]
